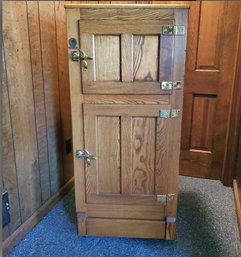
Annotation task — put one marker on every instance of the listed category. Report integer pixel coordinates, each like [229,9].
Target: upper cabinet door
[130,54]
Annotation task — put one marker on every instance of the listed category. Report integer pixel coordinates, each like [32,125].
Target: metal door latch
[79,55]
[85,154]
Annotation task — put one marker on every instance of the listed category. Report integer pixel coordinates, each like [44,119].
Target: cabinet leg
[81,222]
[170,230]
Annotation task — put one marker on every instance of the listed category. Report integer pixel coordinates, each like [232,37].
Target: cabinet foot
[81,223]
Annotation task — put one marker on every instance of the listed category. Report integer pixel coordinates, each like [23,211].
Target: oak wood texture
[115,116]
[126,5]
[138,129]
[142,75]
[175,124]
[36,112]
[122,99]
[108,133]
[197,81]
[153,212]
[21,231]
[76,111]
[123,14]
[125,228]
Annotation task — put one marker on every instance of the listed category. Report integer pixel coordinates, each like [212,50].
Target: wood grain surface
[143,155]
[108,154]
[21,108]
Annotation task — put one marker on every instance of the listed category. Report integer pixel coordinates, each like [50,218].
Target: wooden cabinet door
[128,57]
[116,99]
[131,146]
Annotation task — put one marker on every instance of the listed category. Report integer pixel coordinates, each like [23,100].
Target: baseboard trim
[237,204]
[18,234]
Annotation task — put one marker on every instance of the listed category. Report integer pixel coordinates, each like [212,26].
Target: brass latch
[174,113]
[79,55]
[170,30]
[165,198]
[86,155]
[169,85]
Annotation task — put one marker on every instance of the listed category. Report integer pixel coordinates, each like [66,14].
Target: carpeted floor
[206,227]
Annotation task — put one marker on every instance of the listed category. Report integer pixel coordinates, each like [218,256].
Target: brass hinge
[174,113]
[169,30]
[165,198]
[169,85]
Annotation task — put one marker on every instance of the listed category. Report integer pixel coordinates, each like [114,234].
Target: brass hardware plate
[169,30]
[165,198]
[169,85]
[177,85]
[174,113]
[75,56]
[166,85]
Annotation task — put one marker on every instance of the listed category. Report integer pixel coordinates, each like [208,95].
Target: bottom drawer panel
[125,228]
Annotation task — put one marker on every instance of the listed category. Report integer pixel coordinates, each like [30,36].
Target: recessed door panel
[126,62]
[146,56]
[107,57]
[108,149]
[143,155]
[129,158]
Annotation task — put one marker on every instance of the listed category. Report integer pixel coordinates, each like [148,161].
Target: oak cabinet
[126,68]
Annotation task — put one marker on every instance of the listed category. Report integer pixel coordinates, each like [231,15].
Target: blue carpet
[206,227]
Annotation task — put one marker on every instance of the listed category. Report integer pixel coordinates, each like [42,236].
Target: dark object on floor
[5,209]
[206,227]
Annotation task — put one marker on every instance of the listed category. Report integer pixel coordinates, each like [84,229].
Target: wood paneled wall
[36,107]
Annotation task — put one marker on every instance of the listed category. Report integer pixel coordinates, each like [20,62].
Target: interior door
[126,65]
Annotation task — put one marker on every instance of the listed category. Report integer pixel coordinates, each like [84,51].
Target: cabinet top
[126,6]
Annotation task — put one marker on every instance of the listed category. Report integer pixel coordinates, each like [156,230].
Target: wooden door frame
[235,116]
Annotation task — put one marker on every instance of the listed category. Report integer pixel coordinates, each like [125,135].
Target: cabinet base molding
[125,228]
[18,234]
